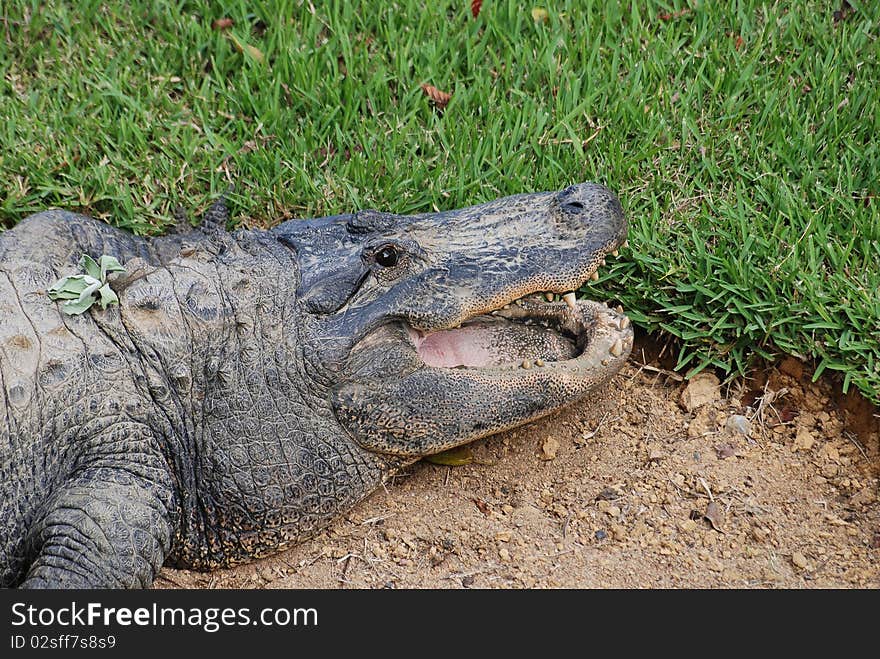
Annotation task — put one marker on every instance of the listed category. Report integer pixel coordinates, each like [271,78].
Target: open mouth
[530,333]
[538,330]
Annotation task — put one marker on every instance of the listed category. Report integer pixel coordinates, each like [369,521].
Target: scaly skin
[250,387]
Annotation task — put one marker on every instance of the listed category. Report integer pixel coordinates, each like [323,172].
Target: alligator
[252,385]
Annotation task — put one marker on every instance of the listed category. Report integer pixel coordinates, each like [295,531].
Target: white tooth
[506,306]
[618,309]
[570,300]
[539,362]
[616,348]
[624,323]
[519,302]
[549,296]
[526,364]
[625,243]
[615,253]
[601,261]
[595,276]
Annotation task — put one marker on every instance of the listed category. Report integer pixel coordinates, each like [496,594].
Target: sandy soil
[654,486]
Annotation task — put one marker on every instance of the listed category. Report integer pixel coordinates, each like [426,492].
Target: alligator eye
[388,256]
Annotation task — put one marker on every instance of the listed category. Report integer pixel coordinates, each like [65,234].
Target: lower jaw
[433,409]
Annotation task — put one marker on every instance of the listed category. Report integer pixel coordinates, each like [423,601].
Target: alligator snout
[589,208]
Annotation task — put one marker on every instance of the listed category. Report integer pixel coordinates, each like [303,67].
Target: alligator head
[430,331]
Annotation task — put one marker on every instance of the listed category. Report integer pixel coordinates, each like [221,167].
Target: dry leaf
[242,47]
[454,457]
[842,13]
[539,15]
[482,506]
[439,98]
[713,516]
[666,16]
[476,5]
[222,23]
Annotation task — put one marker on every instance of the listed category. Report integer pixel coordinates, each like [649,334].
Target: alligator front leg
[107,528]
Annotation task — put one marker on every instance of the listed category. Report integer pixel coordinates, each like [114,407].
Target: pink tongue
[461,347]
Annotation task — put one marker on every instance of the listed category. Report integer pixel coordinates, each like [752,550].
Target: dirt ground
[655,486]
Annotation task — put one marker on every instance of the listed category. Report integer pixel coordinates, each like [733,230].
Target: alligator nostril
[572,206]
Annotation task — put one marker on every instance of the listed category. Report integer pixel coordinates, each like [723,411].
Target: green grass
[743,140]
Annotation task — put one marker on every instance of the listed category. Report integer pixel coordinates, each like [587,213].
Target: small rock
[610,493]
[864,497]
[608,508]
[806,419]
[701,424]
[503,536]
[618,531]
[700,390]
[804,440]
[730,575]
[549,448]
[737,424]
[687,525]
[830,452]
[799,560]
[503,554]
[655,453]
[600,535]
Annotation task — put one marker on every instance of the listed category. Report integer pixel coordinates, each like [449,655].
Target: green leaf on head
[78,292]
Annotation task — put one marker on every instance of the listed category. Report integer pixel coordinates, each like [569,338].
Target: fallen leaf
[713,516]
[667,16]
[476,5]
[242,47]
[539,15]
[482,506]
[222,23]
[787,413]
[454,457]
[738,42]
[842,13]
[439,98]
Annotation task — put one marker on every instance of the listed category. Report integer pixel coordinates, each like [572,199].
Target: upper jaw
[541,285]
